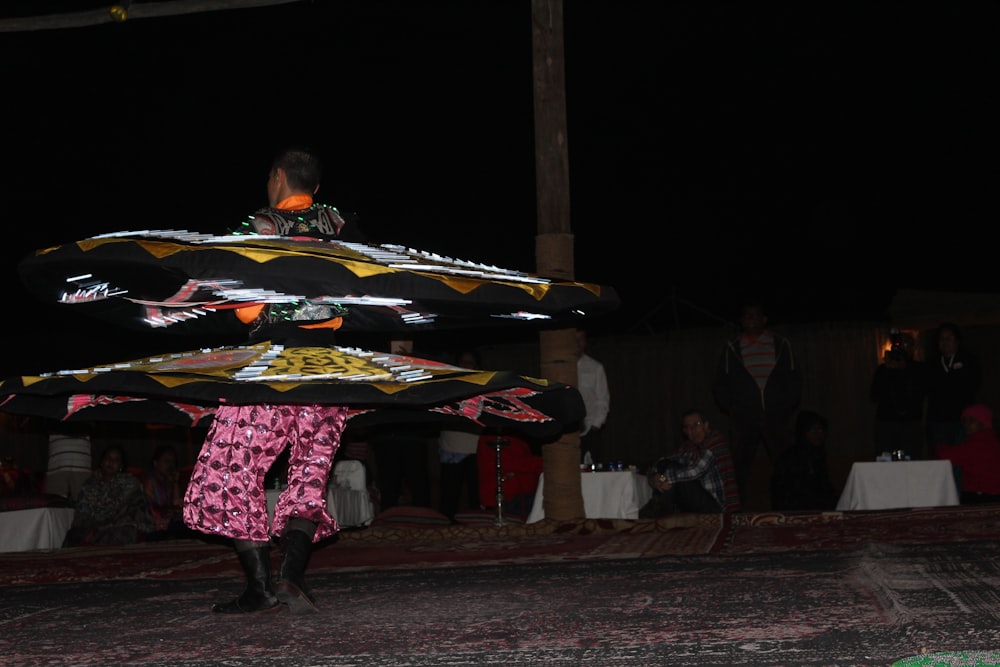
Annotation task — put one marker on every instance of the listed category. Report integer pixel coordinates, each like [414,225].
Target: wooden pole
[554,244]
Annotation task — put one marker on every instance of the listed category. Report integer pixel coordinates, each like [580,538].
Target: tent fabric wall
[654,378]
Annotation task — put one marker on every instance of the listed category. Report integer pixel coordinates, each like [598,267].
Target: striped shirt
[758,356]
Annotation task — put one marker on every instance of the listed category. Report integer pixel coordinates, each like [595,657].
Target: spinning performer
[289,389]
[226,493]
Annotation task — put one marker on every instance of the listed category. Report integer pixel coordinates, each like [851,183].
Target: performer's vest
[319,220]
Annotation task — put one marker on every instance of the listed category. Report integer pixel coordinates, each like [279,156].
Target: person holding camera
[898,389]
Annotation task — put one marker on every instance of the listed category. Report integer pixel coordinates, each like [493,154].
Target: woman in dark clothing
[112,508]
[801,480]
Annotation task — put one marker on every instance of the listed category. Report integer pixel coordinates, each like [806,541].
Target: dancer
[289,389]
[226,493]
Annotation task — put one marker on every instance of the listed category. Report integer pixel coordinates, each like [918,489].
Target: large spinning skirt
[184,388]
[185,282]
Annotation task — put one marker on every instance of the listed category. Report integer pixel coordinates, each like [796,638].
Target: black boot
[291,586]
[258,595]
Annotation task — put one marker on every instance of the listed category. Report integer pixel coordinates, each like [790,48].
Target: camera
[897,346]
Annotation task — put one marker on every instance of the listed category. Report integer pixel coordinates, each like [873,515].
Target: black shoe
[291,587]
[258,596]
[298,600]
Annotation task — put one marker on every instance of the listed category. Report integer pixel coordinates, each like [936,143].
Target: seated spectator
[699,477]
[976,458]
[801,479]
[165,495]
[520,468]
[111,508]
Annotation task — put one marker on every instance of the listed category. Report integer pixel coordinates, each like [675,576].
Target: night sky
[822,154]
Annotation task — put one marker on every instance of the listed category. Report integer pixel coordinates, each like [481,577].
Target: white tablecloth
[347,498]
[880,485]
[606,495]
[39,528]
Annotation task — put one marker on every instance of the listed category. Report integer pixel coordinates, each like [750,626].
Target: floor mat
[872,606]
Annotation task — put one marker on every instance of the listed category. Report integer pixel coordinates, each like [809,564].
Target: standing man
[699,477]
[593,385]
[758,385]
[954,378]
[226,495]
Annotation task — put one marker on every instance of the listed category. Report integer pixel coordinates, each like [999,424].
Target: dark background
[822,154]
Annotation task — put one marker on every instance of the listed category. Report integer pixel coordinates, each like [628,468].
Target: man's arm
[693,470]
[603,394]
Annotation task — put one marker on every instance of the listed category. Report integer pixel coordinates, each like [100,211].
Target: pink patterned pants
[226,493]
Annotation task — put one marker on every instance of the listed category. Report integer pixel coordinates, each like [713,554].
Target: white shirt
[453,446]
[593,385]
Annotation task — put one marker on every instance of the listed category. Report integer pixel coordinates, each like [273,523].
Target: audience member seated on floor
[698,477]
[801,479]
[520,467]
[977,458]
[111,508]
[165,495]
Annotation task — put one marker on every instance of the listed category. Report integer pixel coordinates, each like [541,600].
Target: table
[606,495]
[883,485]
[37,528]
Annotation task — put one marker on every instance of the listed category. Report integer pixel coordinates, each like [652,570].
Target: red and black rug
[863,588]
[417,541]
[868,606]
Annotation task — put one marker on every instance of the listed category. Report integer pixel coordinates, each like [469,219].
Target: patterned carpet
[871,606]
[906,588]
[429,545]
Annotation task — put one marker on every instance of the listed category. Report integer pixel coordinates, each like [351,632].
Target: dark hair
[752,300]
[695,411]
[160,451]
[302,166]
[805,421]
[114,448]
[955,330]
[477,360]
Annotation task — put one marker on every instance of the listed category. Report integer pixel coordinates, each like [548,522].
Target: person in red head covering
[976,458]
